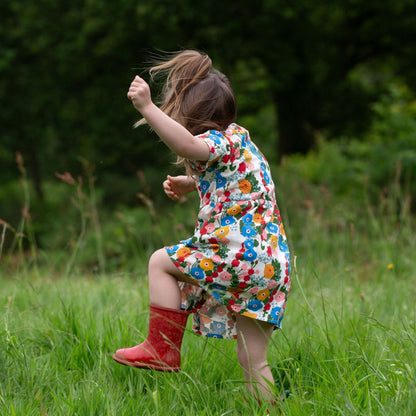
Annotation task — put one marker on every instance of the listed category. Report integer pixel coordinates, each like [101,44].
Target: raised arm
[173,134]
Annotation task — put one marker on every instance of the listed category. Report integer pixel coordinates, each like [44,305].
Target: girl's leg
[161,348]
[253,337]
[163,281]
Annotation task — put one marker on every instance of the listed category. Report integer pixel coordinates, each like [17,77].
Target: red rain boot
[161,350]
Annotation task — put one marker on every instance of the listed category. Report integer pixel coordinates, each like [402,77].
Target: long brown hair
[194,94]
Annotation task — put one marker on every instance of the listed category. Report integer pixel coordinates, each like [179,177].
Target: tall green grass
[347,346]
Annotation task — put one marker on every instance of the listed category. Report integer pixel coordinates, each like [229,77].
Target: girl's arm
[177,186]
[174,135]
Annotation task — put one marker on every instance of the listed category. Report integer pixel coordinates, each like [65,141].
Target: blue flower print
[220,180]
[250,255]
[197,273]
[255,305]
[272,227]
[266,176]
[172,249]
[275,312]
[211,335]
[228,220]
[255,151]
[248,218]
[247,231]
[218,327]
[218,287]
[249,244]
[204,186]
[215,136]
[244,140]
[215,295]
[282,245]
[187,242]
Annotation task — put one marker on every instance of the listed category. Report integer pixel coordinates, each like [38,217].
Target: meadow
[347,346]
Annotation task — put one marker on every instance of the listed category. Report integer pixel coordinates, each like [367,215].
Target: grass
[347,346]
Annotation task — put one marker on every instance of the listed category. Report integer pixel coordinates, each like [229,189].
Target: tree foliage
[65,68]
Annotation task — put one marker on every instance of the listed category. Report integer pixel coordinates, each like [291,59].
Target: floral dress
[238,256]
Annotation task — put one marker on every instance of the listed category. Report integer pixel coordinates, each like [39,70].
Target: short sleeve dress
[238,256]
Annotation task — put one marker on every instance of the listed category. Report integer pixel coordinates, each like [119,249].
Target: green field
[347,346]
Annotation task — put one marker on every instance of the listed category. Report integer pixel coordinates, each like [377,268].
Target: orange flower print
[215,247]
[258,218]
[273,242]
[247,156]
[222,232]
[206,264]
[250,315]
[245,186]
[183,252]
[236,209]
[268,271]
[282,230]
[263,294]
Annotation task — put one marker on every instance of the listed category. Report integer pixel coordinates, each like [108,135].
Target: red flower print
[242,167]
[235,263]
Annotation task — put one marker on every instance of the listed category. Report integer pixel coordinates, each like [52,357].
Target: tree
[64,69]
[309,49]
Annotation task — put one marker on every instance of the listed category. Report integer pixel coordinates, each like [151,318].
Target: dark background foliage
[301,71]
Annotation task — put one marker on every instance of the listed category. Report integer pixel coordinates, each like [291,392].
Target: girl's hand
[177,186]
[139,93]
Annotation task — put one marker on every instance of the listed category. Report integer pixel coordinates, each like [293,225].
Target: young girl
[234,272]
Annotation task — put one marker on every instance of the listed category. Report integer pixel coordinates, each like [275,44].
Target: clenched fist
[139,93]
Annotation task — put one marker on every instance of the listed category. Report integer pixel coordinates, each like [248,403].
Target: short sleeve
[218,146]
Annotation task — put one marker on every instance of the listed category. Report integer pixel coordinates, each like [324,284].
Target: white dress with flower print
[238,256]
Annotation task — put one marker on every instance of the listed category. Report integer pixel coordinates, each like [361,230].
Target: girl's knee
[156,259]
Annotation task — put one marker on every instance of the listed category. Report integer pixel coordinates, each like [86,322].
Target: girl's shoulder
[234,135]
[234,128]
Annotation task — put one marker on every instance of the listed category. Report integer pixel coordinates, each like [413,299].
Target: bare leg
[161,348]
[163,281]
[253,337]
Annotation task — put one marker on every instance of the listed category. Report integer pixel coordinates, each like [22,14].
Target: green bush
[385,158]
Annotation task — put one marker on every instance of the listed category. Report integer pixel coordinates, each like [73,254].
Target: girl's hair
[195,94]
